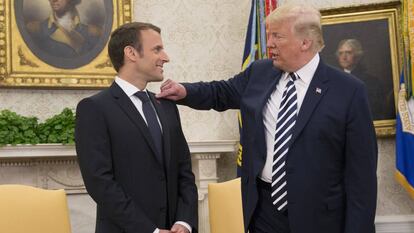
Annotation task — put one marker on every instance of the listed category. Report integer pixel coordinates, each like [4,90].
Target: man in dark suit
[309,148]
[132,153]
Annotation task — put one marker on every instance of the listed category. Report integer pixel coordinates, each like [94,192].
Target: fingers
[177,228]
[169,93]
[164,231]
[171,90]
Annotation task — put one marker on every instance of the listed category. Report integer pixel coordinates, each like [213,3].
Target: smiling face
[150,60]
[284,45]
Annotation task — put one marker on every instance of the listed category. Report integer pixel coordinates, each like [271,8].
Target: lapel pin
[318,90]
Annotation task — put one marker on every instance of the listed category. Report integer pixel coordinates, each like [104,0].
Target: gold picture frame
[30,59]
[370,33]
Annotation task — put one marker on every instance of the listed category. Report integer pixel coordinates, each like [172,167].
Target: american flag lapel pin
[318,90]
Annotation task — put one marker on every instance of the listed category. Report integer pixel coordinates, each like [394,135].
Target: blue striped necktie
[285,123]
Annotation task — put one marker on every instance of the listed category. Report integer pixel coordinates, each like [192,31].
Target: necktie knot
[142,95]
[293,76]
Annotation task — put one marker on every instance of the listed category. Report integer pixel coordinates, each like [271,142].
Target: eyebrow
[158,47]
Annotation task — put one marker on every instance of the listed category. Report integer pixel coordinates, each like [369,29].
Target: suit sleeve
[218,95]
[187,206]
[93,148]
[361,155]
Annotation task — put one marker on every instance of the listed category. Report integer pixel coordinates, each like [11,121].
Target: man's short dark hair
[128,34]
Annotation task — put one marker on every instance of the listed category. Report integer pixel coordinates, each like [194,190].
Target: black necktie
[285,123]
[152,121]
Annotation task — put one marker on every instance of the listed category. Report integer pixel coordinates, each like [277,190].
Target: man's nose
[270,44]
[165,57]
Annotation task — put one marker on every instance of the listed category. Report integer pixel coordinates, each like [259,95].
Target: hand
[164,231]
[177,228]
[172,90]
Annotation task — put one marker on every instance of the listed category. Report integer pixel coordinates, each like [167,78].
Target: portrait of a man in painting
[65,33]
[351,49]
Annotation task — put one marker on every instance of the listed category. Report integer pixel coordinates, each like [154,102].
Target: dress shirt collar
[307,71]
[127,87]
[53,19]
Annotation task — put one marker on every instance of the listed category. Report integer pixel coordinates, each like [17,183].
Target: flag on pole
[255,48]
[405,117]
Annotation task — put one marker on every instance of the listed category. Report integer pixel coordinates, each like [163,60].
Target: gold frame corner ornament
[21,68]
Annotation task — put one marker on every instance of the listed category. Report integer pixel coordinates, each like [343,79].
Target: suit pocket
[335,202]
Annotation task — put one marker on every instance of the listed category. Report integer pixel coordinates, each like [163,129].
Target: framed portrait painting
[364,43]
[58,43]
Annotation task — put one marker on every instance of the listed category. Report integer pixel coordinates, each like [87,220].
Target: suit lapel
[165,128]
[131,111]
[316,90]
[269,85]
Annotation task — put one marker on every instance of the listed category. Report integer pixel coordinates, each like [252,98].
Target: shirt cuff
[157,231]
[189,228]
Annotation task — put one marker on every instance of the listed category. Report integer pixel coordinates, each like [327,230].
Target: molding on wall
[37,151]
[58,150]
[222,146]
[395,224]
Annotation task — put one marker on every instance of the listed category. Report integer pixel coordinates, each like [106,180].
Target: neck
[303,60]
[61,14]
[133,78]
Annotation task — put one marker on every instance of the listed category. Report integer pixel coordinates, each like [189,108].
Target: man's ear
[130,53]
[306,44]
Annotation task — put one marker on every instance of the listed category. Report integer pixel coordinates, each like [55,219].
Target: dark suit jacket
[121,171]
[331,164]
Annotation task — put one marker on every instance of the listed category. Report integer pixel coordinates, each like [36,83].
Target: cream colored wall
[205,41]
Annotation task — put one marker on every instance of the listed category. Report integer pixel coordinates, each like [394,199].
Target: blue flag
[254,49]
[405,140]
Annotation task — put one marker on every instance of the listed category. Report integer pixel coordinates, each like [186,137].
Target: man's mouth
[274,56]
[161,67]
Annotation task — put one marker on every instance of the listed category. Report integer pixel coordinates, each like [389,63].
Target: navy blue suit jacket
[133,191]
[331,164]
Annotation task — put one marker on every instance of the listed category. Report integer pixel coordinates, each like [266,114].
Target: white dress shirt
[130,90]
[304,77]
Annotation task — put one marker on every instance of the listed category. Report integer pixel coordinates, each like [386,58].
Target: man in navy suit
[133,156]
[309,149]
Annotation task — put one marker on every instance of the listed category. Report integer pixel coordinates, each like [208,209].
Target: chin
[277,65]
[158,79]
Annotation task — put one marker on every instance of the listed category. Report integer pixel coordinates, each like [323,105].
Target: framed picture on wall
[58,44]
[363,41]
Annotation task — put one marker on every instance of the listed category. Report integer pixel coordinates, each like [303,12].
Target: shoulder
[164,102]
[97,100]
[340,77]
[263,63]
[262,67]
[34,26]
[90,30]
[94,30]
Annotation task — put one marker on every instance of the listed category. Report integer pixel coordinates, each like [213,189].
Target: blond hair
[306,22]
